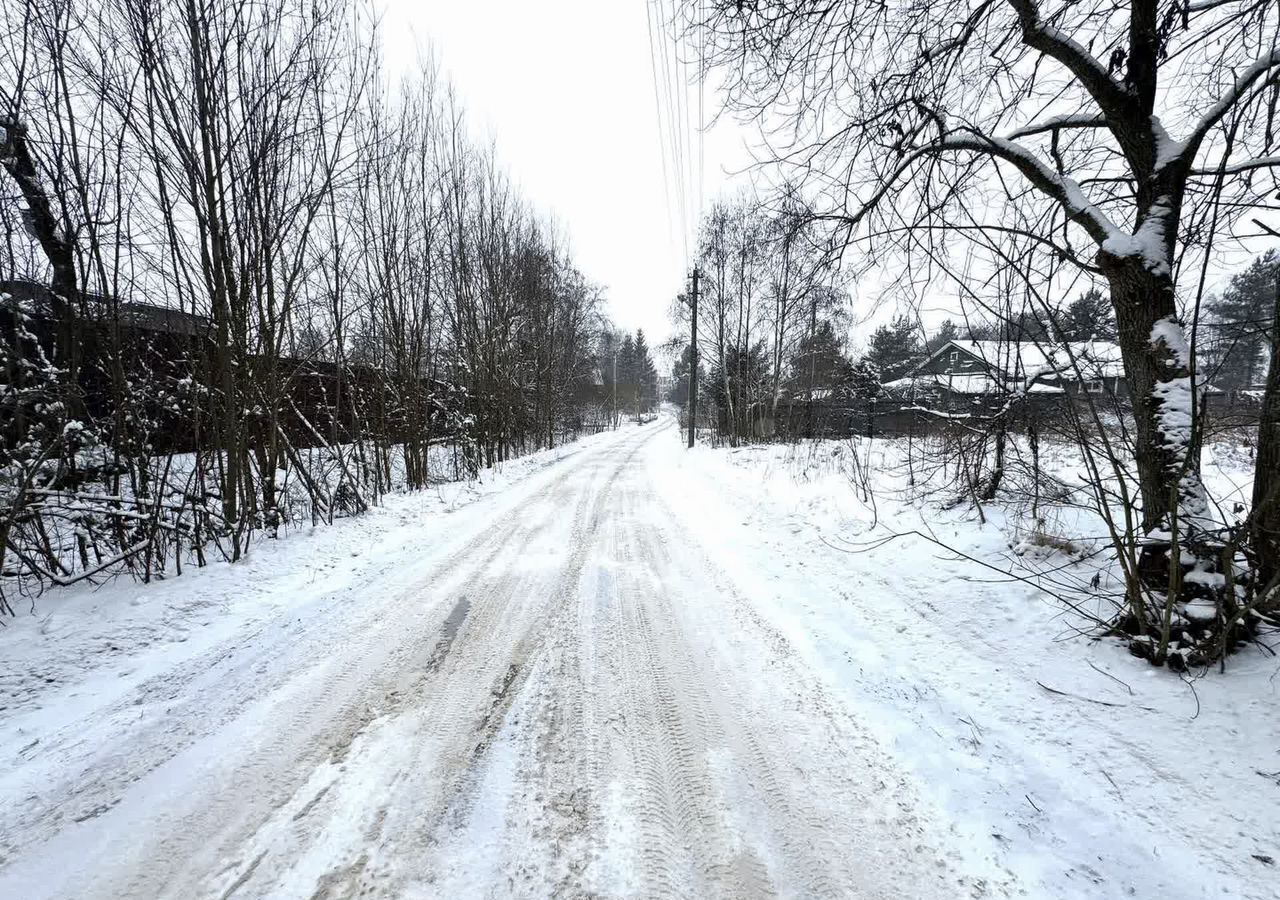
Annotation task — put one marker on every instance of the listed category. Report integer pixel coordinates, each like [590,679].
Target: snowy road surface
[550,691]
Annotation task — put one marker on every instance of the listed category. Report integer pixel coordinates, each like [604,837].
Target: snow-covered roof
[816,394]
[967,384]
[1029,359]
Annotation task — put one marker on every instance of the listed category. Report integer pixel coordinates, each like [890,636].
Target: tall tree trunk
[1165,406]
[1266,480]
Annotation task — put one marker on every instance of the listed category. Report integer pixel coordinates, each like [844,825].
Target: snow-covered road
[550,691]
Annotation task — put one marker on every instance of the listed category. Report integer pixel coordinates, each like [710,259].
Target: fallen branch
[1092,700]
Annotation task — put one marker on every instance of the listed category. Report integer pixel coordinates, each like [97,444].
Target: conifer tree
[895,348]
[1239,326]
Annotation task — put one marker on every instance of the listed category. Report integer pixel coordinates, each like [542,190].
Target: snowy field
[623,669]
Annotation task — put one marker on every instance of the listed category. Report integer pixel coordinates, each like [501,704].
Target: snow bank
[71,650]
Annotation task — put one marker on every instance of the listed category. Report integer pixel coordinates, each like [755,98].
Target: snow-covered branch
[1057,123]
[1206,5]
[1060,188]
[1246,165]
[1242,86]
[1038,34]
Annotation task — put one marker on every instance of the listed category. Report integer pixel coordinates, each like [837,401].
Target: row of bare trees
[259,250]
[769,293]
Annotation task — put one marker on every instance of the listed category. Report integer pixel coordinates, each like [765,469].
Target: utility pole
[693,364]
[813,361]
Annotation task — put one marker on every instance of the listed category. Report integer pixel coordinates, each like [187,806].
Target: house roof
[1027,364]
[1037,368]
[968,384]
[1026,360]
[36,298]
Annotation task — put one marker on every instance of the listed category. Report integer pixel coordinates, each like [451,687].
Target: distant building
[37,299]
[978,369]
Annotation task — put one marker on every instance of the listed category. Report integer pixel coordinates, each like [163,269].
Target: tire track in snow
[573,684]
[675,732]
[512,616]
[554,754]
[321,699]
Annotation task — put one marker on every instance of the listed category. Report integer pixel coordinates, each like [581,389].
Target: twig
[1112,677]
[874,544]
[1077,697]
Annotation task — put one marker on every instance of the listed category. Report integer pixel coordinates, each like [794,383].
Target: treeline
[240,178]
[770,310]
[774,325]
[629,376]
[1233,331]
[774,320]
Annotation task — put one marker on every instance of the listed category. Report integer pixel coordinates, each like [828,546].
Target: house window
[953,360]
[1094,386]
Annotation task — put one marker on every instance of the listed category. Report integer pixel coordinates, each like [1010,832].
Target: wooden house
[988,370]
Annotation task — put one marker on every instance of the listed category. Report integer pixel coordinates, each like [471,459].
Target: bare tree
[248,283]
[1125,139]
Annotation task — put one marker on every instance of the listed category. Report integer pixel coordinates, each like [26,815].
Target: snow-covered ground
[1065,767]
[622,669]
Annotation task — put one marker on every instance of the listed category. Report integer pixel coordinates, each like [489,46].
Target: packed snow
[621,669]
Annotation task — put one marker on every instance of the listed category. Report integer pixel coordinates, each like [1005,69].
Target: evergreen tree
[948,331]
[645,374]
[864,380]
[1090,317]
[628,387]
[895,348]
[820,362]
[1237,333]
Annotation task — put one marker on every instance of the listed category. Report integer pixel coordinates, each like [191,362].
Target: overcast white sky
[565,89]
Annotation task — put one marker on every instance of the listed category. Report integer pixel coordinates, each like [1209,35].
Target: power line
[675,132]
[702,122]
[682,116]
[683,175]
[657,104]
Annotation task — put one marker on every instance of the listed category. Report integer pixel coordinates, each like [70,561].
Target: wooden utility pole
[693,364]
